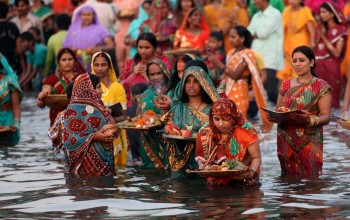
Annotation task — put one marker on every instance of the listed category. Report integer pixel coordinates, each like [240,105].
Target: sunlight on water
[34,184]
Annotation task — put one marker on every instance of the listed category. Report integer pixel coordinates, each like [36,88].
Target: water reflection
[35,184]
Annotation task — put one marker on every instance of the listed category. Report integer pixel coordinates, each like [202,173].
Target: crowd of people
[206,65]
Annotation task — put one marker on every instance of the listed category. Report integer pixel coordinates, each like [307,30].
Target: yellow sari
[112,95]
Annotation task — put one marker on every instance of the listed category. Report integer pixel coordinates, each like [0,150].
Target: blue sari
[181,154]
[8,85]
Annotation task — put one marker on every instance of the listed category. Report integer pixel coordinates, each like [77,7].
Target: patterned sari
[234,147]
[238,90]
[84,116]
[8,84]
[181,154]
[114,94]
[153,148]
[300,148]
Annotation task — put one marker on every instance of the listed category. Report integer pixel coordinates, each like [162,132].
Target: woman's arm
[335,51]
[255,156]
[347,95]
[311,29]
[46,90]
[324,104]
[108,45]
[234,74]
[16,110]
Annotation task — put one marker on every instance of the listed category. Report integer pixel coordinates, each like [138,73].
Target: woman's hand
[301,118]
[104,137]
[163,102]
[201,164]
[13,129]
[215,60]
[41,99]
[139,68]
[271,119]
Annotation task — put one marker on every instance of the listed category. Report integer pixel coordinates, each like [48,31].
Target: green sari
[181,154]
[152,147]
[8,84]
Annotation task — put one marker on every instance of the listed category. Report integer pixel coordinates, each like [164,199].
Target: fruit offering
[283,109]
[227,165]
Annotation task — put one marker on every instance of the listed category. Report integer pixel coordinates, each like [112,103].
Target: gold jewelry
[314,121]
[304,82]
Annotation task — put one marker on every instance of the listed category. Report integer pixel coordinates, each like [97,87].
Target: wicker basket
[57,102]
[344,124]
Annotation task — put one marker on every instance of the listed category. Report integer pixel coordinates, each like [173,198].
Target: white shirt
[267,25]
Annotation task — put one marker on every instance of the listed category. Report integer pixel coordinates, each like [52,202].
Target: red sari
[300,148]
[328,66]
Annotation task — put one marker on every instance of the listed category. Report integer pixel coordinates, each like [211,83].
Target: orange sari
[217,18]
[183,39]
[238,90]
[295,34]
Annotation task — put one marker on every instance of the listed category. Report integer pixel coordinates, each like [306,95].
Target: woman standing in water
[69,68]
[88,146]
[196,95]
[113,93]
[300,141]
[10,113]
[228,137]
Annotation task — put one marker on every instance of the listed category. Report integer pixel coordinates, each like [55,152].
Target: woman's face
[101,66]
[196,18]
[164,10]
[325,15]
[236,41]
[99,90]
[145,49]
[294,3]
[186,5]
[66,62]
[192,87]
[87,17]
[302,64]
[155,75]
[222,125]
[147,8]
[180,68]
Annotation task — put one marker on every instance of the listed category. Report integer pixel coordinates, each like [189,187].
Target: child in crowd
[215,47]
[134,137]
[36,54]
[36,33]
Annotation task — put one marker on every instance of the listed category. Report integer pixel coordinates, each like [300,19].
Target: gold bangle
[314,121]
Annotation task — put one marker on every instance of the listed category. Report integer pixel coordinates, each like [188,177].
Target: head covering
[204,80]
[78,68]
[112,73]
[337,12]
[161,65]
[204,25]
[196,2]
[83,117]
[227,109]
[157,6]
[10,75]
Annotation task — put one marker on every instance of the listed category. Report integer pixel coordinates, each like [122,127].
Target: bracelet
[314,121]
[16,123]
[253,172]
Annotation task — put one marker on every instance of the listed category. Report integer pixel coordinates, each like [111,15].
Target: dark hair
[69,90]
[243,32]
[24,1]
[205,97]
[309,54]
[4,9]
[37,33]
[94,80]
[198,63]
[138,88]
[174,77]
[63,21]
[63,51]
[147,36]
[326,6]
[219,36]
[146,2]
[179,8]
[27,36]
[102,54]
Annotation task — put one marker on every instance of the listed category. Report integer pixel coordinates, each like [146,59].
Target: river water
[34,183]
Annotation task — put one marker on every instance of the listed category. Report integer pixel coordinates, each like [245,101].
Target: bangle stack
[314,121]
[253,172]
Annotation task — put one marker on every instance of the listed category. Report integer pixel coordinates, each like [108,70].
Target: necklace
[304,82]
[190,126]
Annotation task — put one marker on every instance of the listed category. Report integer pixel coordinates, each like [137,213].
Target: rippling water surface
[34,184]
